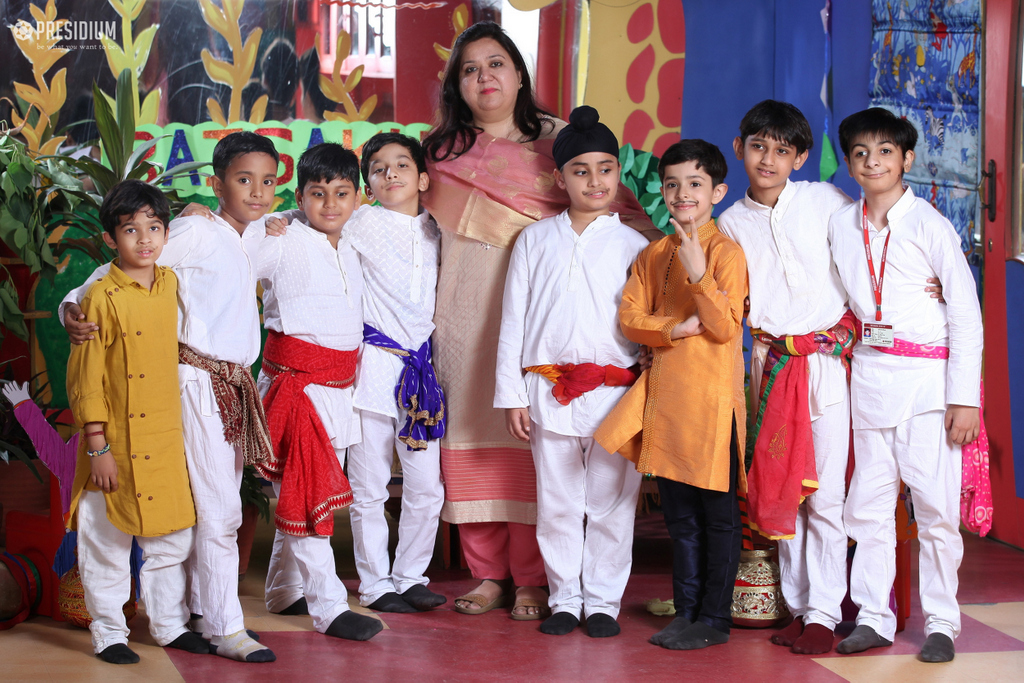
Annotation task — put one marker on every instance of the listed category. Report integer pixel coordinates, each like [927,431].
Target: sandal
[542,613]
[482,601]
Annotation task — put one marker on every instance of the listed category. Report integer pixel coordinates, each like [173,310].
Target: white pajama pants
[303,566]
[369,471]
[813,562]
[920,453]
[215,472]
[586,505]
[104,553]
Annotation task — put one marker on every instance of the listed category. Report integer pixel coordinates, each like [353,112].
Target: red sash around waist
[572,380]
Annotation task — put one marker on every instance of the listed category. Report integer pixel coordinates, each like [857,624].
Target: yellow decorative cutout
[132,54]
[39,45]
[460,20]
[237,74]
[339,89]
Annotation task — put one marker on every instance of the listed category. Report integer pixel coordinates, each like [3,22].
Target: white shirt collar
[597,224]
[784,198]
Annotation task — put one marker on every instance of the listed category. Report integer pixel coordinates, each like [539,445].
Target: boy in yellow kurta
[131,478]
[683,421]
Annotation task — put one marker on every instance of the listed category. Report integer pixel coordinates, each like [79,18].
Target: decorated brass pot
[757,600]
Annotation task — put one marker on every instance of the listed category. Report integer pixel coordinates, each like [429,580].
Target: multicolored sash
[976,485]
[783,471]
[313,484]
[572,381]
[417,392]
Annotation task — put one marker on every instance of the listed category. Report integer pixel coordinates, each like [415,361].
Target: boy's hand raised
[78,328]
[963,423]
[276,226]
[196,209]
[517,422]
[690,253]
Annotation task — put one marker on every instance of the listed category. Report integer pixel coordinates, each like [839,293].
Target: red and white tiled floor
[446,646]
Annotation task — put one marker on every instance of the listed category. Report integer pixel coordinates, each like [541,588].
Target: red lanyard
[876,283]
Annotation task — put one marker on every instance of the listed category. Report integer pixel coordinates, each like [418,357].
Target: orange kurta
[676,421]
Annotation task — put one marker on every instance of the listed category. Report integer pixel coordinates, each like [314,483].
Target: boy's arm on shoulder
[184,234]
[77,295]
[720,293]
[636,310]
[963,313]
[269,256]
[87,362]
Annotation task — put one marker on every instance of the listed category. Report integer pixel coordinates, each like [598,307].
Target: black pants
[706,540]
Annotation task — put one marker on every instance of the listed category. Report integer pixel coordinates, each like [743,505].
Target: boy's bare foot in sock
[938,647]
[118,654]
[391,602]
[602,626]
[678,625]
[559,624]
[815,640]
[190,642]
[862,638]
[422,598]
[352,626]
[698,636]
[297,608]
[241,648]
[787,636]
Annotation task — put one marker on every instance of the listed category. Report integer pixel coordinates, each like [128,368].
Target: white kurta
[795,290]
[218,318]
[561,305]
[312,291]
[399,256]
[899,404]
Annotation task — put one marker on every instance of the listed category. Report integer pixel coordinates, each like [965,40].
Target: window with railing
[371,28]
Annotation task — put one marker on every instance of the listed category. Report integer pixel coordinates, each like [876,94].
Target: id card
[876,334]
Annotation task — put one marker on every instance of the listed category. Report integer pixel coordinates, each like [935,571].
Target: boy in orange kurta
[683,421]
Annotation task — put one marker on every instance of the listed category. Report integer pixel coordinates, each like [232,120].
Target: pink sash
[976,487]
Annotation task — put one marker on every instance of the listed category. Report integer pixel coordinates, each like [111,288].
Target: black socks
[602,626]
[559,624]
[296,608]
[937,647]
[422,598]
[696,636]
[862,638]
[678,625]
[190,642]
[391,602]
[352,626]
[118,654]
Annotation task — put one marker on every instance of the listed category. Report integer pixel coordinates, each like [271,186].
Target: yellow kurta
[127,378]
[676,421]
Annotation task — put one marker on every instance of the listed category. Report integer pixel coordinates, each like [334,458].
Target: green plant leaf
[125,121]
[106,124]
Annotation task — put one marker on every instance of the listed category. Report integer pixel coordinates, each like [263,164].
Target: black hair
[707,156]
[779,121]
[234,145]
[129,197]
[309,68]
[455,133]
[280,69]
[382,140]
[326,162]
[879,124]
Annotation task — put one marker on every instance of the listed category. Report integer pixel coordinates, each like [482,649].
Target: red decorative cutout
[670,89]
[638,126]
[638,74]
[640,24]
[663,142]
[143,135]
[671,25]
[220,134]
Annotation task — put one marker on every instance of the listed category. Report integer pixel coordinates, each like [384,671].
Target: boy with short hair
[223,422]
[683,421]
[398,245]
[915,386]
[312,308]
[562,366]
[795,297]
[131,478]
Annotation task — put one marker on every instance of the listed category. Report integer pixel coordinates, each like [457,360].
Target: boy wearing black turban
[562,366]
